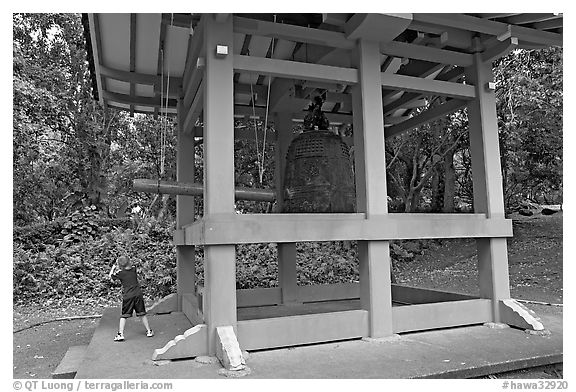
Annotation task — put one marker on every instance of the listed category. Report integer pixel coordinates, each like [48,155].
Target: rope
[261,168]
[255,126]
[539,302]
[69,318]
[161,118]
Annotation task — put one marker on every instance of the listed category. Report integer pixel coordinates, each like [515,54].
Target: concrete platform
[70,363]
[461,352]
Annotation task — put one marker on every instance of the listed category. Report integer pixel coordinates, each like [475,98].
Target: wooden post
[219,260]
[287,275]
[371,193]
[487,183]
[185,255]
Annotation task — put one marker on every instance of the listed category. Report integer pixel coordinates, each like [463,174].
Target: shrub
[80,268]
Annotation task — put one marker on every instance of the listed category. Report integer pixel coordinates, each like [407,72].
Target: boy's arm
[112,271]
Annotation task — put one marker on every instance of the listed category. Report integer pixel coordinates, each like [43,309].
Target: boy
[133,299]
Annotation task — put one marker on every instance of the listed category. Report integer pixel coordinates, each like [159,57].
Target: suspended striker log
[195,189]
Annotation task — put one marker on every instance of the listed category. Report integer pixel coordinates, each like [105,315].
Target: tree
[60,148]
[529,102]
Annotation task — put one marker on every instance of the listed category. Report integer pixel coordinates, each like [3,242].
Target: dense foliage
[74,209]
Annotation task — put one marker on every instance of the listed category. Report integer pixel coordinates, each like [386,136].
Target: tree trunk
[449,182]
[437,191]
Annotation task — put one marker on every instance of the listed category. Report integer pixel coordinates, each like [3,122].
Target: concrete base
[461,352]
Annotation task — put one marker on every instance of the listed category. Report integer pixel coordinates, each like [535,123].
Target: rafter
[410,97]
[555,23]
[194,109]
[485,26]
[293,69]
[292,33]
[425,117]
[140,78]
[428,86]
[195,47]
[420,52]
[160,62]
[271,49]
[528,18]
[97,49]
[138,101]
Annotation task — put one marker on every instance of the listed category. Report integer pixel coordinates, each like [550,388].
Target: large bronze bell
[319,175]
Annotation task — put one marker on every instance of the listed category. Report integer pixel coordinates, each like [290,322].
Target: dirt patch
[534,259]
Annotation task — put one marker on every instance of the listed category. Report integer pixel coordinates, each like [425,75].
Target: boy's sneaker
[119,337]
[149,333]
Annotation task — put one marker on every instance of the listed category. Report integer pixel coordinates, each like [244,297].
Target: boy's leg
[141,312]
[121,325]
[145,322]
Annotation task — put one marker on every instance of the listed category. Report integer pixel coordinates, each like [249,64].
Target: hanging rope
[255,127]
[262,161]
[164,123]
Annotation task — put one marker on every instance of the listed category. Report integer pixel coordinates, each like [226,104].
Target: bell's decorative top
[316,120]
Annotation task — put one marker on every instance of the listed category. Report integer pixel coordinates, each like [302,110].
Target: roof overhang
[140,59]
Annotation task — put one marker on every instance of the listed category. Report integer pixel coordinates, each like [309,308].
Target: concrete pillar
[487,183]
[219,260]
[371,192]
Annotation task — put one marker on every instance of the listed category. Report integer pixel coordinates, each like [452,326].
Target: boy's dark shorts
[129,305]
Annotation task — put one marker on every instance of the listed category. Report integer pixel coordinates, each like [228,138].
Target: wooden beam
[376,27]
[441,315]
[416,295]
[264,296]
[487,180]
[160,62]
[425,117]
[196,107]
[410,97]
[428,86]
[335,19]
[448,36]
[97,53]
[195,48]
[219,261]
[414,68]
[485,26]
[528,18]
[296,70]
[426,53]
[494,15]
[185,211]
[306,294]
[292,33]
[137,100]
[555,23]
[345,99]
[111,105]
[258,90]
[182,20]
[305,329]
[371,187]
[500,50]
[286,252]
[140,78]
[256,228]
